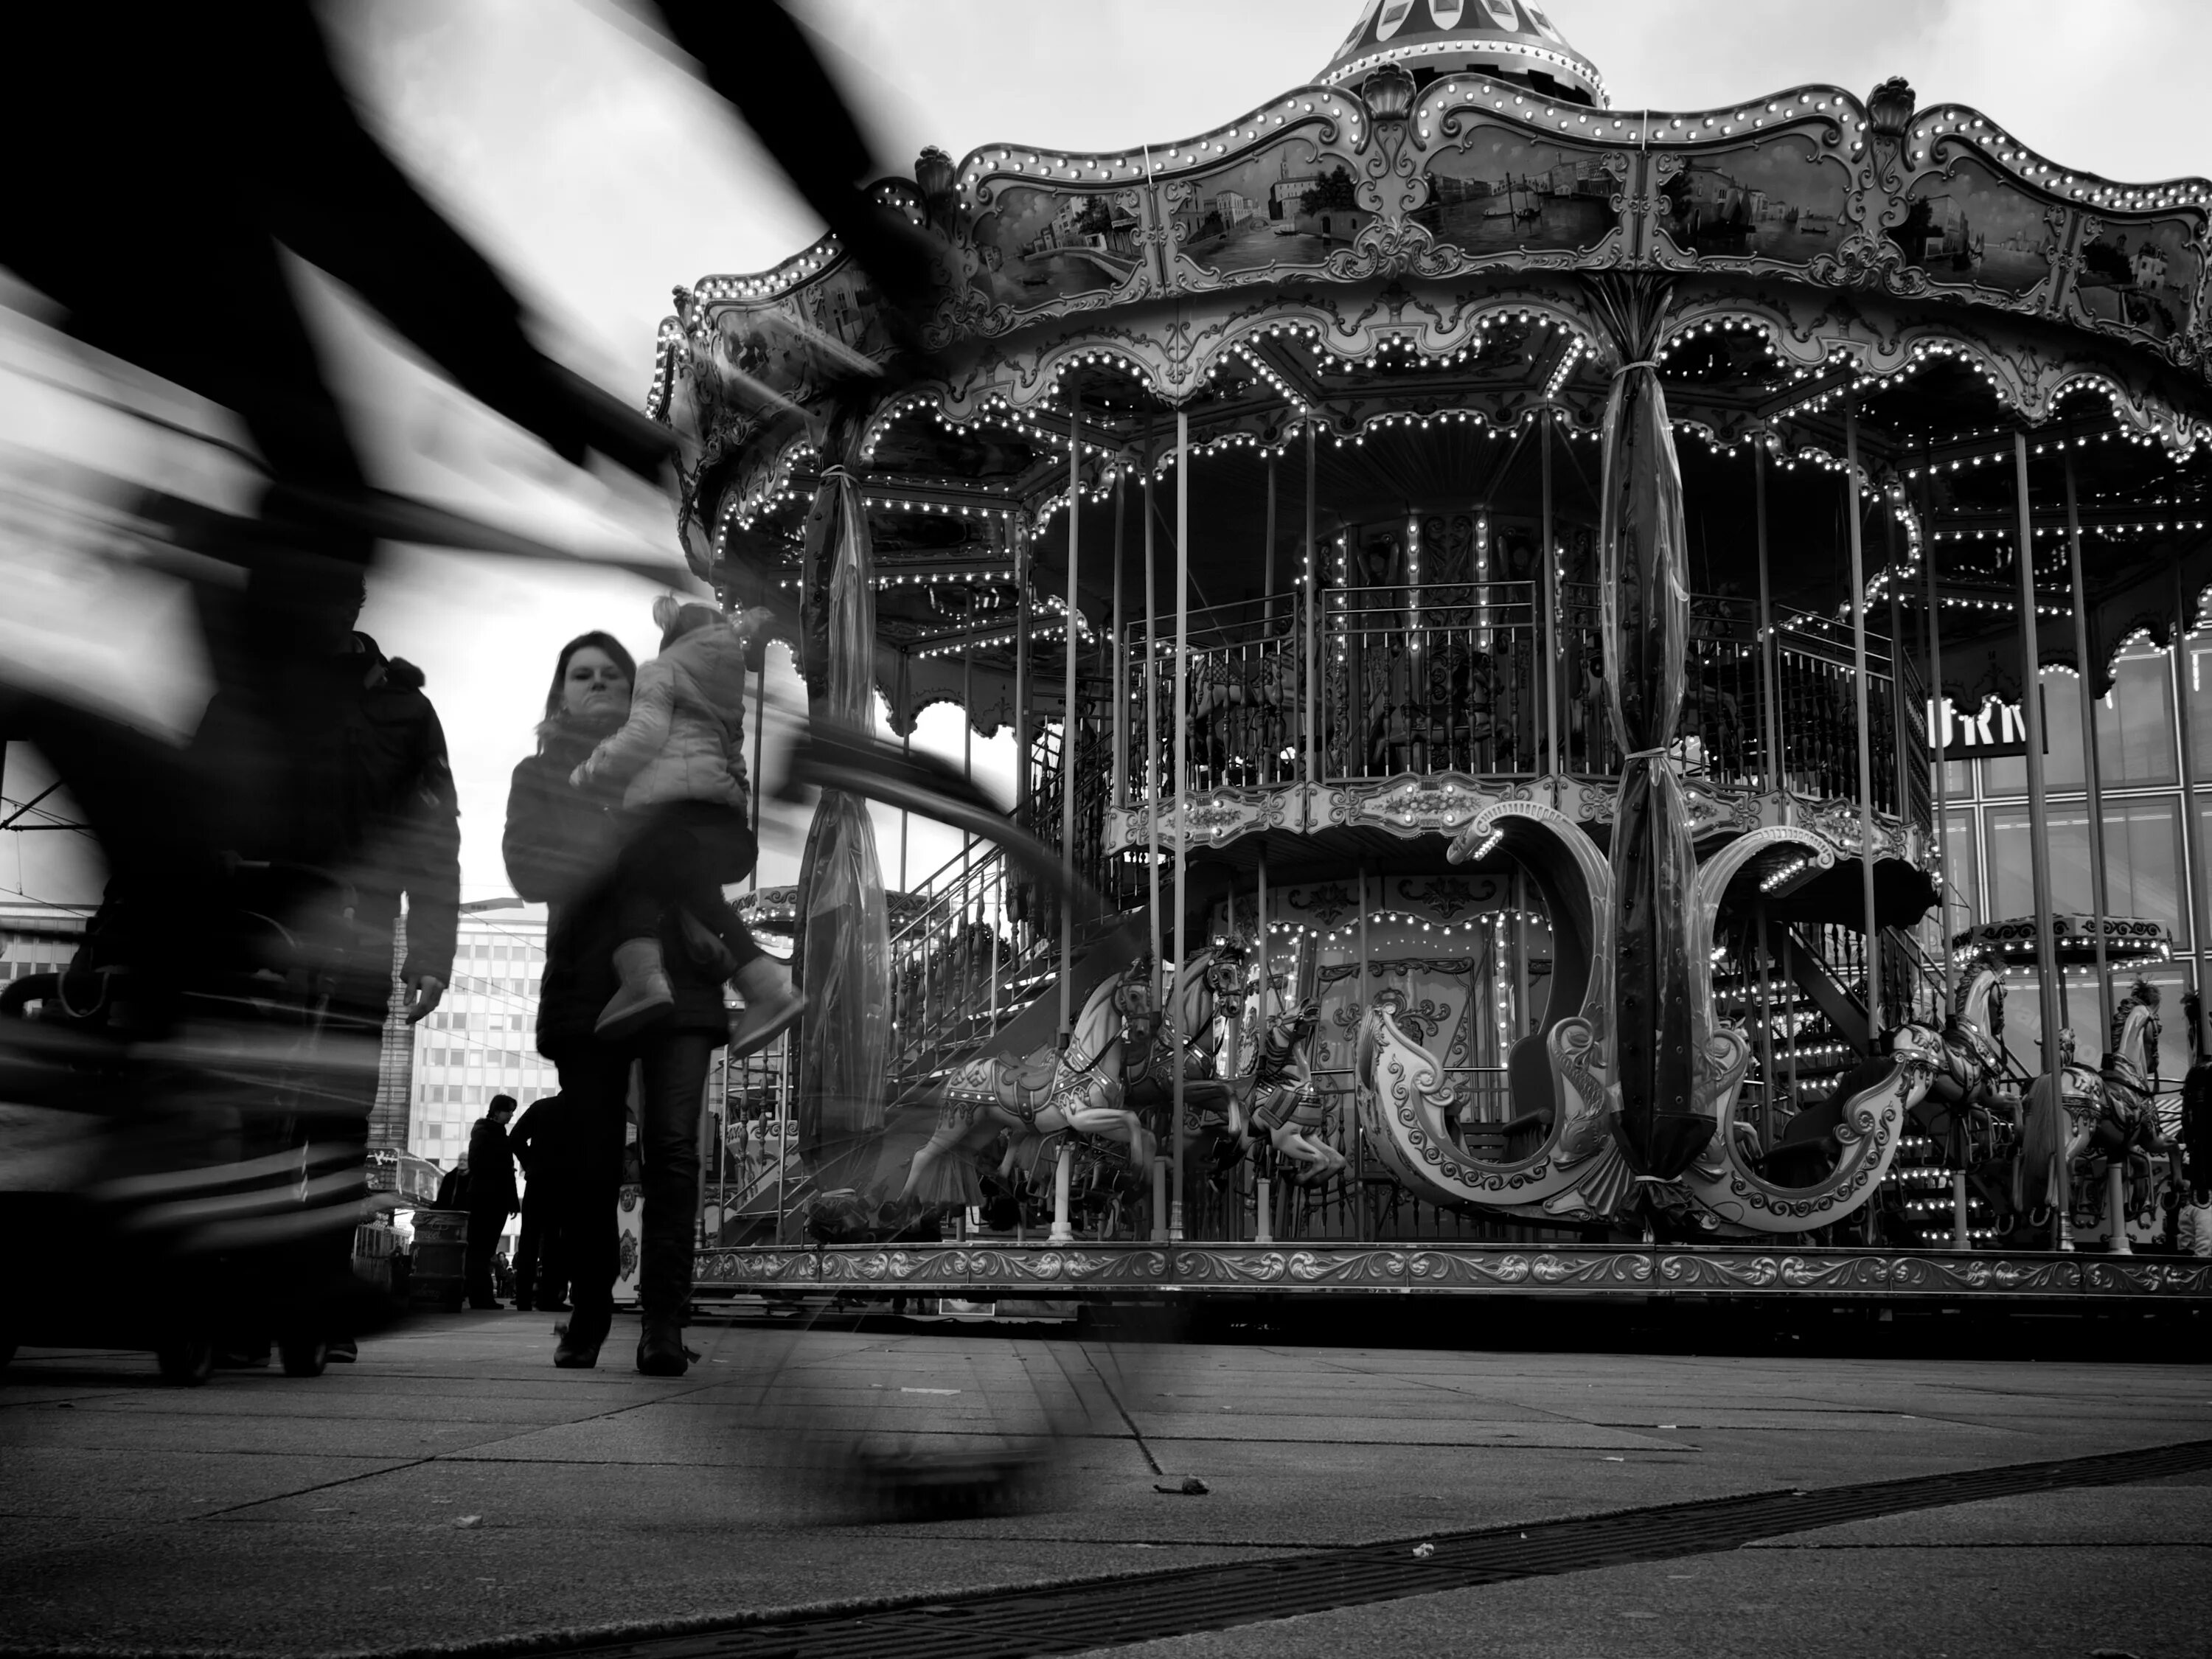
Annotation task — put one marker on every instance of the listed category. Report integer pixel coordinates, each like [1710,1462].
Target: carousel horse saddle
[1033,1074]
[1298,1104]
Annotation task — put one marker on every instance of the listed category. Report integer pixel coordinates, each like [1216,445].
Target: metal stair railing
[1829,962]
[963,960]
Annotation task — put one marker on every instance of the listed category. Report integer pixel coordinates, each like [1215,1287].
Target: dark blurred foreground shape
[197,1106]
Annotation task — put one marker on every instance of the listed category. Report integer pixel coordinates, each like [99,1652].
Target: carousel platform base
[982,1272]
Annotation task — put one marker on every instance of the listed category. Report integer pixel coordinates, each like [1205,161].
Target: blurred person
[562,839]
[256,151]
[679,760]
[492,1198]
[328,788]
[541,1141]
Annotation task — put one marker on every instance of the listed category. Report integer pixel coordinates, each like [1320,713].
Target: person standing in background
[540,1141]
[492,1198]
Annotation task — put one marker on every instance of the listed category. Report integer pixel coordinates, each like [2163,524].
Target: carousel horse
[1959,1111]
[2057,1116]
[1283,1104]
[1210,983]
[1230,702]
[2126,1134]
[1079,1090]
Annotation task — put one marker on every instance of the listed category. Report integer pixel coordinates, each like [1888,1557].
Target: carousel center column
[1644,577]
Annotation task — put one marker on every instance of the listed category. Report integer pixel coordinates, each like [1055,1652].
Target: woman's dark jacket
[560,846]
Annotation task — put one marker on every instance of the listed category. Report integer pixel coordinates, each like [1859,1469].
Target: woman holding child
[626,821]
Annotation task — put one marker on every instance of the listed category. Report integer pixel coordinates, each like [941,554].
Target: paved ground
[453,1488]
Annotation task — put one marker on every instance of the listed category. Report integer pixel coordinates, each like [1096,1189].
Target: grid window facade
[1987,874]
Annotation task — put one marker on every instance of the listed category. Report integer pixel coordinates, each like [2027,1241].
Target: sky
[577,149]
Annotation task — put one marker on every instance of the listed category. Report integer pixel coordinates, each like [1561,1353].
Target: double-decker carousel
[1471,573]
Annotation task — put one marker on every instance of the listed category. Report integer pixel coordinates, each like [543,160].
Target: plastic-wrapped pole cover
[1646,603]
[844,1044]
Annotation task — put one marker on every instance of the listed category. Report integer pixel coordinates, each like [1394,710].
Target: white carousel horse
[1079,1090]
[2126,1135]
[2108,1116]
[1283,1104]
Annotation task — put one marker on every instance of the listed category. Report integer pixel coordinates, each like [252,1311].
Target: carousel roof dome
[1513,39]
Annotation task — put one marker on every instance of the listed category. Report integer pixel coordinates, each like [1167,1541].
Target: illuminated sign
[1998,731]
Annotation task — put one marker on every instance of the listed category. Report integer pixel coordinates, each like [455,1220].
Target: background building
[37,938]
[481,1040]
[2139,726]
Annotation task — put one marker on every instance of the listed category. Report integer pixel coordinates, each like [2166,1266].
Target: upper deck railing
[1387,681]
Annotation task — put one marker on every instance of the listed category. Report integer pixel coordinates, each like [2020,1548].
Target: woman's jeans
[596,1076]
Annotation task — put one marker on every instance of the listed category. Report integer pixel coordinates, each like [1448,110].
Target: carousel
[1491,594]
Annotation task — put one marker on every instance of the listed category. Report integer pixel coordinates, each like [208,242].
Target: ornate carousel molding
[986,1271]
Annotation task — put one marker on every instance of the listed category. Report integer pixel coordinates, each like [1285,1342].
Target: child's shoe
[645,995]
[772,1007]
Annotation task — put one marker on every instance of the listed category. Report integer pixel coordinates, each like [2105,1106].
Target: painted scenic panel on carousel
[1499,192]
[1967,227]
[794,346]
[1035,246]
[2139,274]
[1784,198]
[1286,208]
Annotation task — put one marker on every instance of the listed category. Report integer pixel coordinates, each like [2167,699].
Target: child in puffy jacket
[680,759]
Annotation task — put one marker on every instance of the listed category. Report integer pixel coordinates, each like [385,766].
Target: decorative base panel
[989,1272]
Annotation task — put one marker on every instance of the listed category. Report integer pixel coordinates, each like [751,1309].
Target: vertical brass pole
[1119,646]
[2100,900]
[1359,1140]
[1901,734]
[2185,617]
[1264,937]
[1272,740]
[1312,638]
[782,1133]
[1939,733]
[1865,730]
[760,747]
[2039,815]
[1789,982]
[1268,610]
[1068,723]
[906,747]
[1767,1078]
[1181,791]
[968,735]
[1769,671]
[1523,1024]
[1549,587]
[1151,786]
